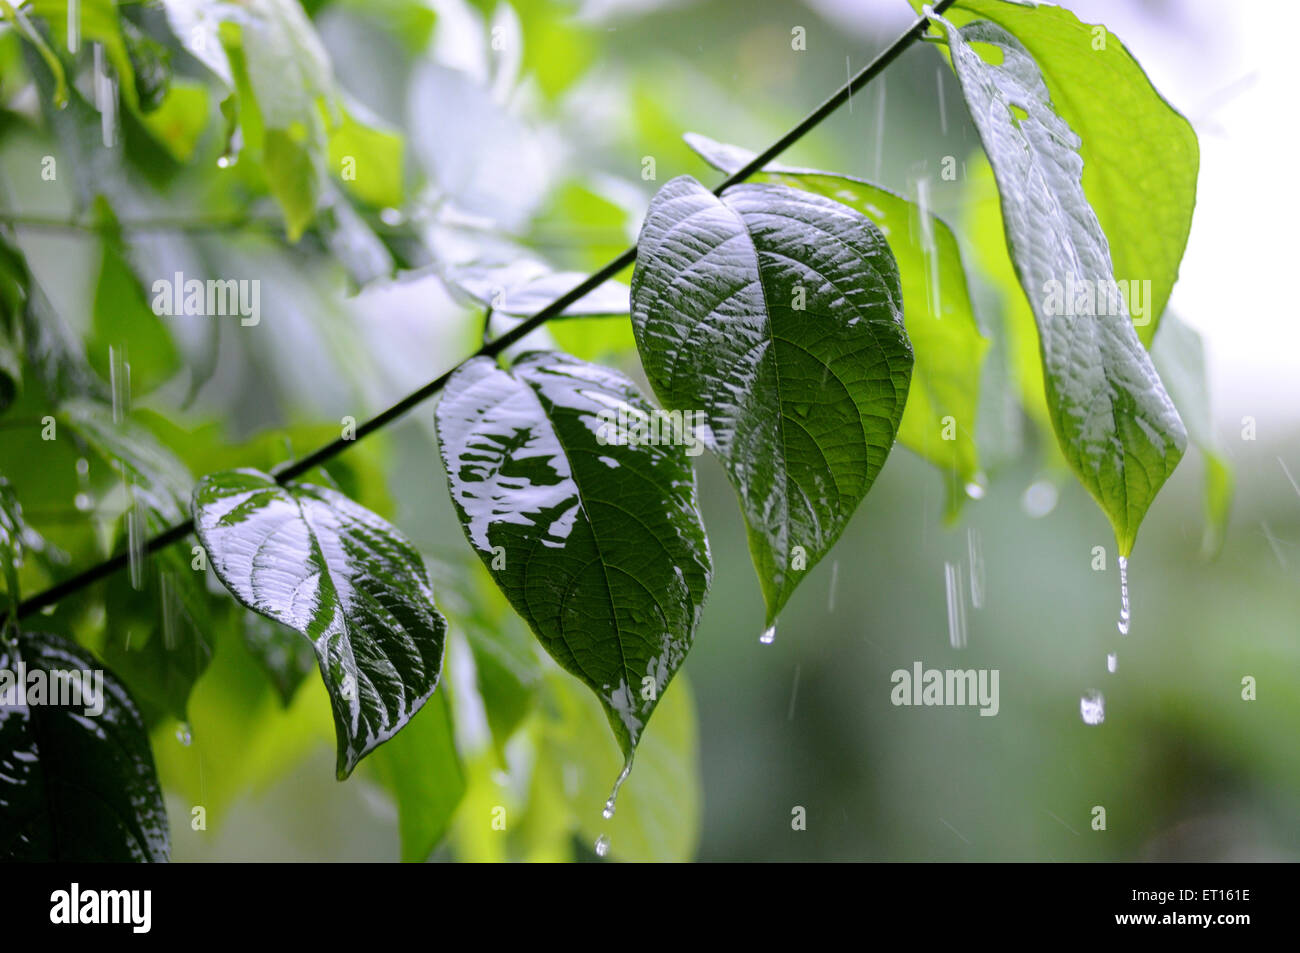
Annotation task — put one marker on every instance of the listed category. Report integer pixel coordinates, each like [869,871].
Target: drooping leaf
[422,770]
[943,401]
[310,558]
[778,314]
[367,158]
[77,781]
[523,288]
[1114,422]
[1140,156]
[597,544]
[1179,356]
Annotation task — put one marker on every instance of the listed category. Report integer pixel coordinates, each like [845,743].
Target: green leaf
[180,119]
[13,543]
[1140,156]
[523,288]
[597,544]
[310,558]
[422,770]
[77,784]
[937,310]
[778,315]
[291,176]
[1179,355]
[284,655]
[368,160]
[1115,424]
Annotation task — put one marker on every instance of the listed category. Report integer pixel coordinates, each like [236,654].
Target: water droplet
[82,502]
[74,25]
[225,161]
[1039,499]
[391,217]
[49,610]
[183,734]
[835,578]
[602,845]
[1112,662]
[135,540]
[1122,625]
[83,466]
[1092,707]
[769,635]
[975,488]
[611,801]
[119,382]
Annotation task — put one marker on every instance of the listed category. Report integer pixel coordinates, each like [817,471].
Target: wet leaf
[1115,424]
[597,544]
[311,559]
[778,314]
[943,401]
[75,784]
[1140,156]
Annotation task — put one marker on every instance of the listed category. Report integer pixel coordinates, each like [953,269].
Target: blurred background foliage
[498,140]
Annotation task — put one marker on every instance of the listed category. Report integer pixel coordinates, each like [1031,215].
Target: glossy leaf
[943,401]
[77,781]
[778,314]
[597,544]
[1115,424]
[311,559]
[1140,156]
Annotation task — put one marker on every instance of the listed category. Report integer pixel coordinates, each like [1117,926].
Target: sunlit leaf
[1115,424]
[311,559]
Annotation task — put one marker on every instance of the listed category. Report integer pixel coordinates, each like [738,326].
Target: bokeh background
[546,139]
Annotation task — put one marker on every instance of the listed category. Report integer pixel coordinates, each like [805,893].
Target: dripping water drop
[183,734]
[769,635]
[1122,625]
[1112,662]
[602,845]
[1092,708]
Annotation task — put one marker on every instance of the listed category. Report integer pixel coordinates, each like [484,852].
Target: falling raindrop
[602,845]
[119,382]
[135,541]
[943,113]
[74,25]
[105,99]
[183,734]
[975,549]
[1112,662]
[956,605]
[880,127]
[835,576]
[1122,625]
[1039,499]
[1092,707]
[769,635]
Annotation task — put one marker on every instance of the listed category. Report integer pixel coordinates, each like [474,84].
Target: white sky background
[1230,66]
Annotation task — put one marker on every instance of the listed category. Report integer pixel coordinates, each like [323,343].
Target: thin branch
[294,469]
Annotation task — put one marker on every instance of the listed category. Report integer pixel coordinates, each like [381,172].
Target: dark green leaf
[76,784]
[310,558]
[597,544]
[1115,424]
[943,401]
[778,314]
[285,655]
